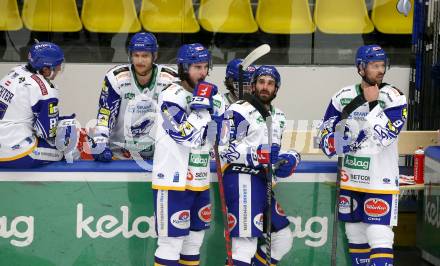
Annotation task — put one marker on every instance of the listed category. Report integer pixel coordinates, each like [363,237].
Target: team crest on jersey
[205,213]
[181,219]
[258,221]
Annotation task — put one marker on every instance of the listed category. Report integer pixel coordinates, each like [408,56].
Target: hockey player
[370,173]
[181,161]
[127,105]
[231,80]
[29,110]
[246,155]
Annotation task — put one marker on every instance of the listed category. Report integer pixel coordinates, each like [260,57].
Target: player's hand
[100,150]
[327,145]
[371,93]
[291,160]
[202,96]
[263,155]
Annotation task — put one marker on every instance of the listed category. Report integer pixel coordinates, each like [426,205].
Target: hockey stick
[250,59]
[257,104]
[340,127]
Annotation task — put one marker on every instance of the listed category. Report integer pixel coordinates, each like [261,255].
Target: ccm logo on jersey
[205,213]
[376,207]
[181,219]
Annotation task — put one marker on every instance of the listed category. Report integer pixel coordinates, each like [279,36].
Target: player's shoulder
[242,107]
[167,72]
[119,72]
[279,113]
[174,92]
[346,92]
[391,95]
[38,81]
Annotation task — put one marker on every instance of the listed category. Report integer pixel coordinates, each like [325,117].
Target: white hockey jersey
[372,163]
[28,108]
[182,160]
[244,129]
[127,110]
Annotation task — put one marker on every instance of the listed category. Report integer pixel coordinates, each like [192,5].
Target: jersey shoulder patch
[120,70]
[41,84]
[169,70]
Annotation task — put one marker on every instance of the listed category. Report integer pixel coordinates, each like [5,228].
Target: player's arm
[327,129]
[186,129]
[108,110]
[386,124]
[46,116]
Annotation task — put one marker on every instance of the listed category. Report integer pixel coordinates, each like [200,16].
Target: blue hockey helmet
[267,71]
[45,54]
[143,42]
[193,53]
[370,53]
[233,67]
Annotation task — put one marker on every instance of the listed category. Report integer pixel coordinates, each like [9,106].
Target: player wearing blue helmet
[29,111]
[181,161]
[370,174]
[231,80]
[244,151]
[127,105]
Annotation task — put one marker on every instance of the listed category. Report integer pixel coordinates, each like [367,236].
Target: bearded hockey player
[245,156]
[181,161]
[127,105]
[368,202]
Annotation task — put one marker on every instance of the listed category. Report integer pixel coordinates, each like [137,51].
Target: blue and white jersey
[181,160]
[127,110]
[28,108]
[371,165]
[244,129]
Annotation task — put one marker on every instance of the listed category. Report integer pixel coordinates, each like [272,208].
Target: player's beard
[265,98]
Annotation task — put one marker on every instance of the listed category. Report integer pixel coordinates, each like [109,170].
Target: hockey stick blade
[255,54]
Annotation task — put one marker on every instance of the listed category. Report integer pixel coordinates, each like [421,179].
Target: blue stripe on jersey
[109,104]
[175,123]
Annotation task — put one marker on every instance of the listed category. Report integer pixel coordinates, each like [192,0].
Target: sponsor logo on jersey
[205,213]
[40,84]
[344,176]
[181,219]
[355,162]
[53,109]
[232,221]
[198,160]
[386,180]
[258,221]
[363,179]
[344,204]
[279,210]
[189,175]
[21,80]
[176,177]
[160,175]
[376,207]
[345,101]
[129,95]
[103,120]
[217,103]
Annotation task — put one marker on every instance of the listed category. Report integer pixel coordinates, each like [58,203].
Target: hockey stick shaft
[340,127]
[269,174]
[228,243]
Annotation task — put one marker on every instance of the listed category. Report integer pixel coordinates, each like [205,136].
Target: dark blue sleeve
[46,117]
[109,105]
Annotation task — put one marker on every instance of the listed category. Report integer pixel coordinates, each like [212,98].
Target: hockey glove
[263,155]
[327,145]
[100,150]
[202,96]
[67,135]
[292,159]
[72,116]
